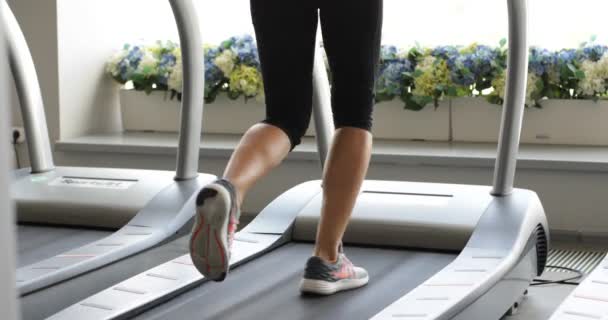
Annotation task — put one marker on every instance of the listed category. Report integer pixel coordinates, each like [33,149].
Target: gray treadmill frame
[506,248]
[8,303]
[168,212]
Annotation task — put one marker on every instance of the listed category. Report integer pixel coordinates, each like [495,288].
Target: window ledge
[441,154]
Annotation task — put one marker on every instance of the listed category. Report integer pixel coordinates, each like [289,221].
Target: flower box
[392,121]
[575,122]
[156,112]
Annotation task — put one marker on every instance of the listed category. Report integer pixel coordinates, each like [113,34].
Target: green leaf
[452,91]
[593,38]
[579,74]
[503,42]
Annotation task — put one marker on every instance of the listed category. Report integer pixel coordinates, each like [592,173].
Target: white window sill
[443,154]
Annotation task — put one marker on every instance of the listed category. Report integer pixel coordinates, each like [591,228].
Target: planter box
[155,112]
[392,121]
[576,122]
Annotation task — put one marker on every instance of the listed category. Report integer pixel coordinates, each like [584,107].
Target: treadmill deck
[267,287]
[37,242]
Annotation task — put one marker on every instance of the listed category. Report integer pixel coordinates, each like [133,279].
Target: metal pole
[30,96]
[513,108]
[193,88]
[323,117]
[8,294]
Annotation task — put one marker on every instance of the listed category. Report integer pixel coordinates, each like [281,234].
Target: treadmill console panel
[97,197]
[407,214]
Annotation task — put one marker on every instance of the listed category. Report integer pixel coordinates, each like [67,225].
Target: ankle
[327,256]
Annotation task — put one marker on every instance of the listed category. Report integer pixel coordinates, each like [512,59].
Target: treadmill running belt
[267,287]
[39,242]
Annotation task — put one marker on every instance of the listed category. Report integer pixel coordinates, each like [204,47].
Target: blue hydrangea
[134,56]
[388,52]
[541,60]
[167,62]
[391,75]
[566,56]
[474,65]
[448,53]
[594,52]
[130,62]
[246,50]
[213,74]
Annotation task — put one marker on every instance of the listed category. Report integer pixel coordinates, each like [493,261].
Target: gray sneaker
[323,278]
[216,221]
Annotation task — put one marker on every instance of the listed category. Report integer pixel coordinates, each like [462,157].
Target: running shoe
[324,278]
[216,221]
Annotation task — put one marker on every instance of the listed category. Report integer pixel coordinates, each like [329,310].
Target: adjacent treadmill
[589,301]
[434,251]
[73,220]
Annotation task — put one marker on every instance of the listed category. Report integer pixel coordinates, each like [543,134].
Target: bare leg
[262,148]
[345,170]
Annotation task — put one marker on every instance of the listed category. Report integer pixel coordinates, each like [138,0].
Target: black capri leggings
[285,32]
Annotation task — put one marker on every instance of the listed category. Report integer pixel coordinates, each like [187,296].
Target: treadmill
[433,251]
[589,301]
[73,220]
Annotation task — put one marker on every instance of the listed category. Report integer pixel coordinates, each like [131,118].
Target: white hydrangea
[530,88]
[500,86]
[148,63]
[226,62]
[175,81]
[427,63]
[596,74]
[112,64]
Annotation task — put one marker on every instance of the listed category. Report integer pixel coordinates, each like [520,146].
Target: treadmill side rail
[499,260]
[163,217]
[589,300]
[157,285]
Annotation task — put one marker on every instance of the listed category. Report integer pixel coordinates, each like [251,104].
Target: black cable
[17,156]
[16,135]
[568,281]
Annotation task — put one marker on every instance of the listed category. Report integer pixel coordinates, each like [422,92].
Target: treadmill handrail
[513,106]
[322,112]
[193,88]
[28,91]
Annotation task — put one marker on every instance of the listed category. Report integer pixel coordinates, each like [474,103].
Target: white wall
[89,32]
[553,23]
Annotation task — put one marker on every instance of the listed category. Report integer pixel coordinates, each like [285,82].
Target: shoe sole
[209,237]
[321,287]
